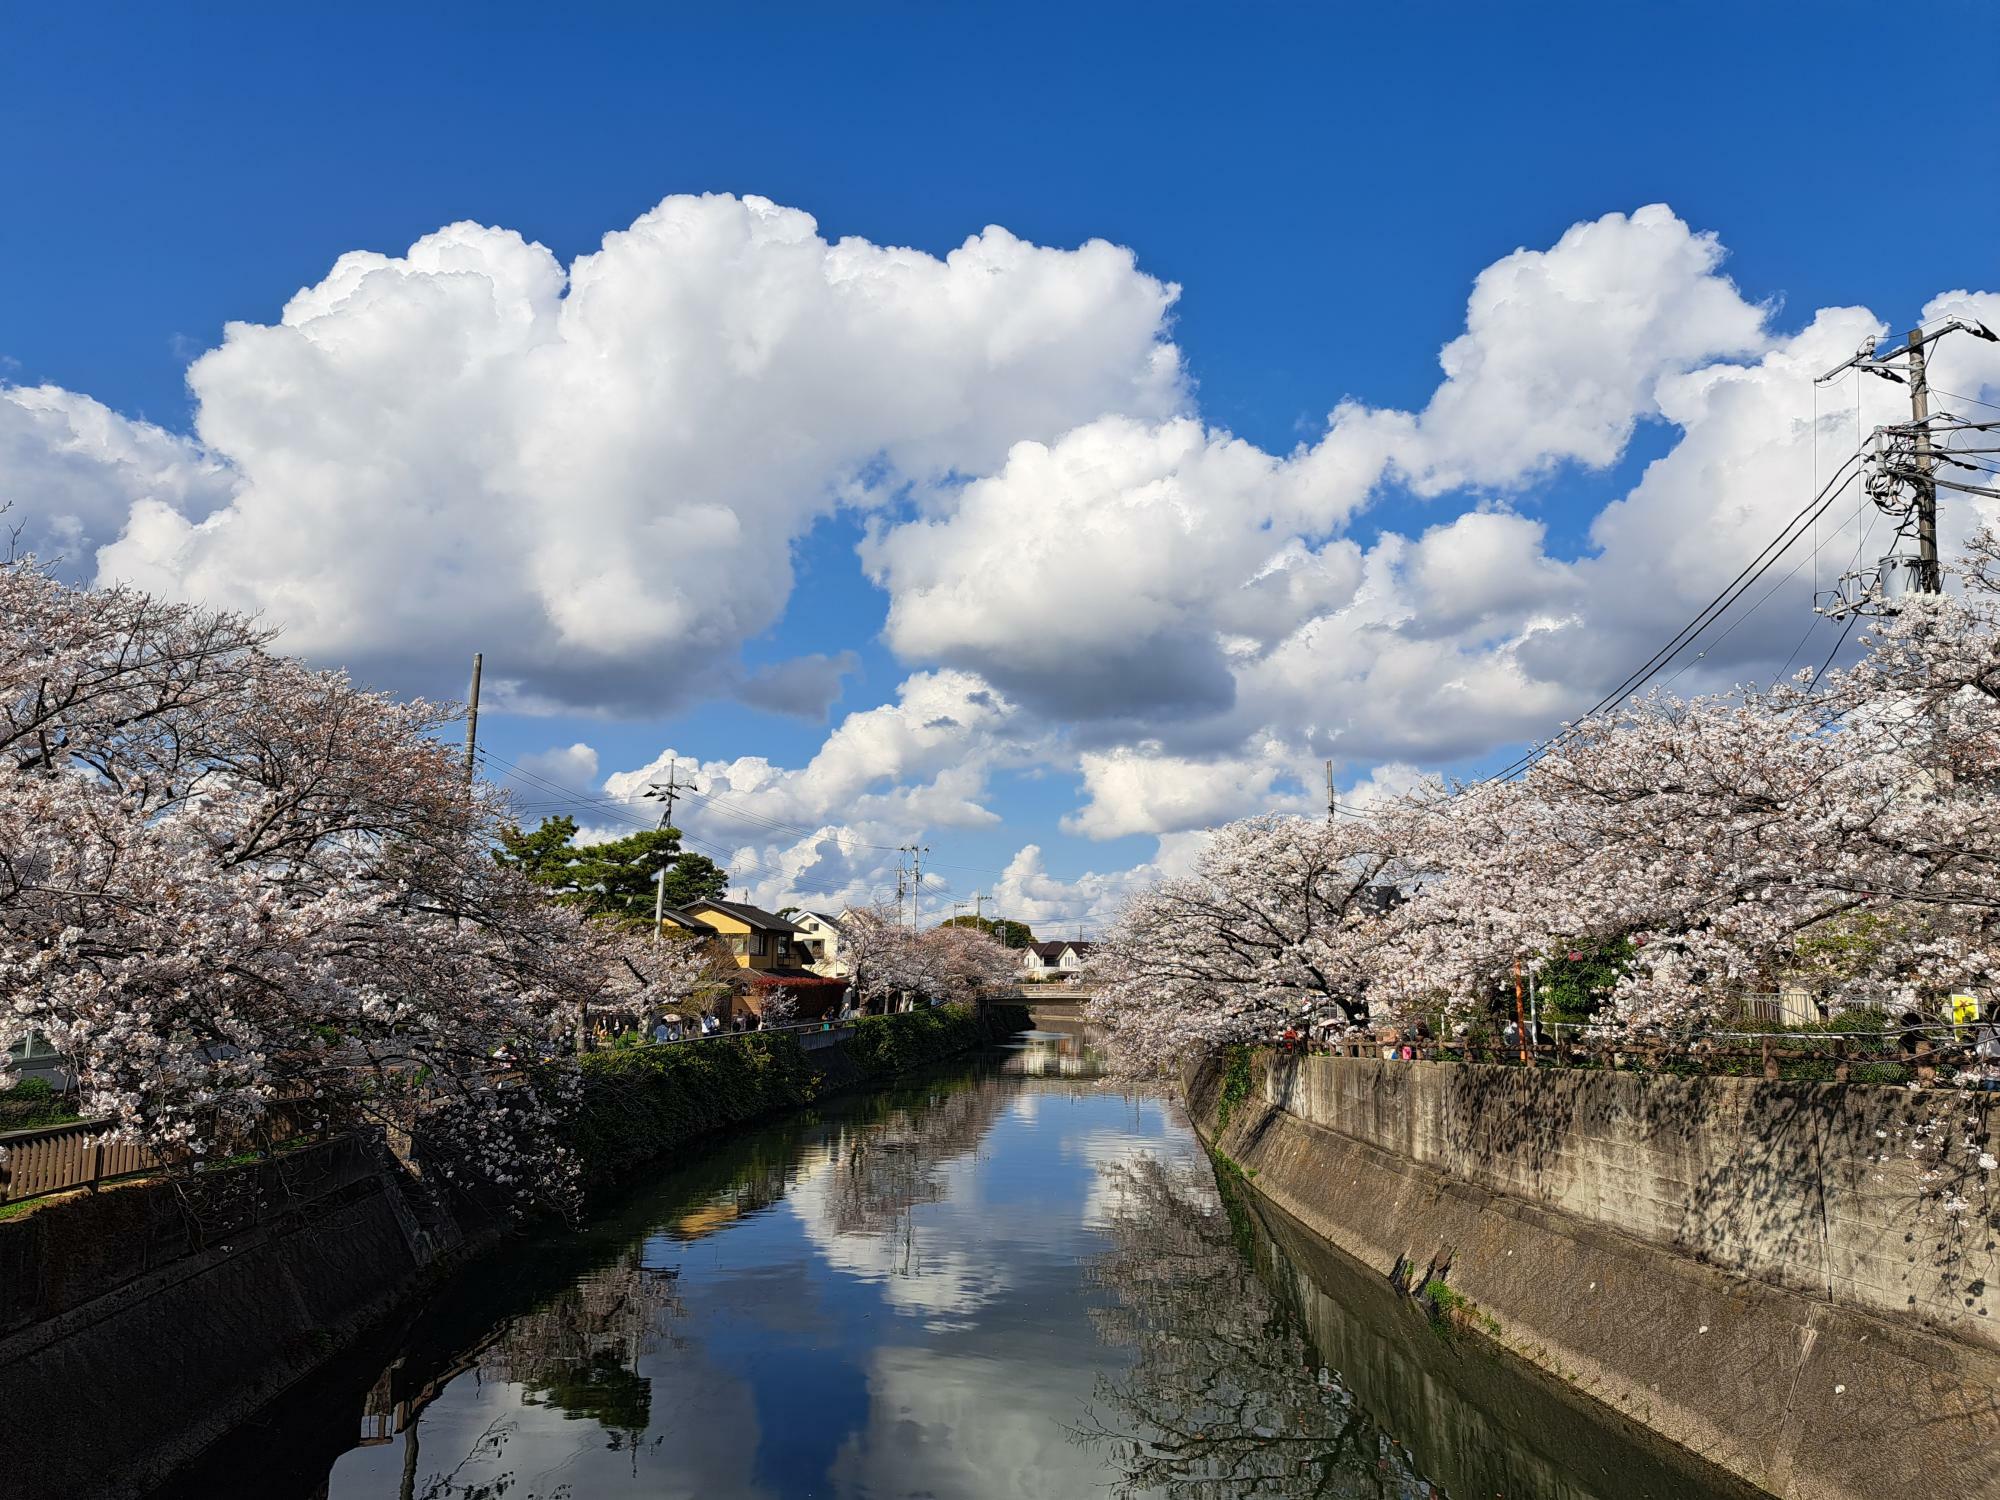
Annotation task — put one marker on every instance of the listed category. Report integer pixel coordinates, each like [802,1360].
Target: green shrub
[1451,1312]
[641,1102]
[1235,1083]
[33,1102]
[884,1045]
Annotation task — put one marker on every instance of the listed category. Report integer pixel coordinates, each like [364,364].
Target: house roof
[750,916]
[681,916]
[1049,951]
[834,922]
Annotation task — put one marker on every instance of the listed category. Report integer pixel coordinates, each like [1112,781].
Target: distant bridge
[1052,1007]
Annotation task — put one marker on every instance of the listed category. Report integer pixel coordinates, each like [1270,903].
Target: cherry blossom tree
[969,961]
[1843,832]
[249,899]
[1282,922]
[892,963]
[781,1008]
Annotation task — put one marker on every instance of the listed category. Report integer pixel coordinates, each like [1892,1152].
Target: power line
[1820,675]
[1709,613]
[1957,396]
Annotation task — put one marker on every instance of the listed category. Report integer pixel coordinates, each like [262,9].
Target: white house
[824,939]
[1054,961]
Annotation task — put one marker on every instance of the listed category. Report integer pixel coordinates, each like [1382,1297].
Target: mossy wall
[644,1102]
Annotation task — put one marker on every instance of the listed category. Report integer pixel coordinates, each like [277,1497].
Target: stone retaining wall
[1865,1196]
[1714,1258]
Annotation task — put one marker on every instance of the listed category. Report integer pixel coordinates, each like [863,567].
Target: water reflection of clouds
[946,1423]
[963,1218]
[1106,1147]
[907,1260]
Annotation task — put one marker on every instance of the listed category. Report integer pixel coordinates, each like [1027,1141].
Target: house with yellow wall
[756,939]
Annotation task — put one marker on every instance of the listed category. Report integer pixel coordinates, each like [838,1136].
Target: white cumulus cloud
[595,473]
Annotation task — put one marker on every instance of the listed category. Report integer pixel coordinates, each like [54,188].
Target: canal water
[1008,1279]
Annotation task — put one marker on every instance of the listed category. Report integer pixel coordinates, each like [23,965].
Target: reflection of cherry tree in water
[580,1351]
[487,1449]
[885,1169]
[1223,1398]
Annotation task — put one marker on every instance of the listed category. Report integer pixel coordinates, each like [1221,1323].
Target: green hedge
[641,1102]
[883,1046]
[33,1102]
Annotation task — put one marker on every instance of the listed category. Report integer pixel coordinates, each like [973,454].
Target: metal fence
[56,1158]
[803,1030]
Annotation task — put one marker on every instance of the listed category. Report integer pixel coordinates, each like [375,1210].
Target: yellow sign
[1964,1010]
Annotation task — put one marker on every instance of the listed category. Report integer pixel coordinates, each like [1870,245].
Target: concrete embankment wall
[140,1323]
[1746,1268]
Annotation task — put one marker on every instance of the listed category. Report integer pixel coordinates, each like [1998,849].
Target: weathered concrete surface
[105,1396]
[1829,1189]
[1774,1381]
[1488,1424]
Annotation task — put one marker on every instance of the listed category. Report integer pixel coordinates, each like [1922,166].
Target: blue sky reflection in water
[907,1316]
[984,1286]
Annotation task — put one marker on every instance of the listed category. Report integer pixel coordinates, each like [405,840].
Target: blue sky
[1324,185]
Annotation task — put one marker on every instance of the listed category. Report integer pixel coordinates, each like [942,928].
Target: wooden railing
[55,1158]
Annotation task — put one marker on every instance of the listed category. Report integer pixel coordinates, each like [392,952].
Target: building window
[757,944]
[737,943]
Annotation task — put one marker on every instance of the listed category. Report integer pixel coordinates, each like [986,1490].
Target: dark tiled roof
[684,917]
[754,916]
[1050,952]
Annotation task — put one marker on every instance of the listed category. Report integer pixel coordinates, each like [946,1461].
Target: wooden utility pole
[472,716]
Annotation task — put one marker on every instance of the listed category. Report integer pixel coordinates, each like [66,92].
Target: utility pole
[1930,577]
[472,717]
[916,853]
[1916,465]
[1331,805]
[666,791]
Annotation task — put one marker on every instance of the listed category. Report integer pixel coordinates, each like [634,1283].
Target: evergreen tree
[1008,934]
[614,878]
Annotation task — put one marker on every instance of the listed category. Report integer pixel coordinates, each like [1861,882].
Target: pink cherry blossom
[250,900]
